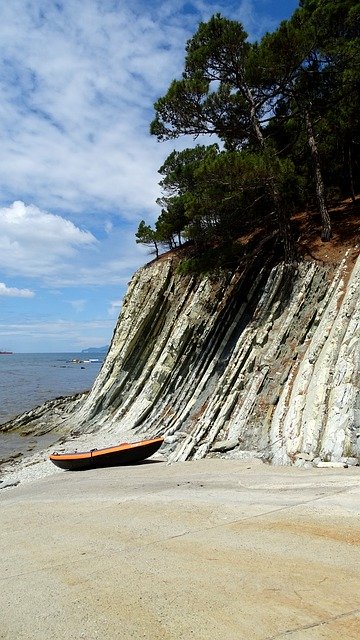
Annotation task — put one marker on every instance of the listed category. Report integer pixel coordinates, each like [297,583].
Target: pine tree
[221,93]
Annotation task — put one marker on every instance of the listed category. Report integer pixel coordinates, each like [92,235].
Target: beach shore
[210,549]
[30,459]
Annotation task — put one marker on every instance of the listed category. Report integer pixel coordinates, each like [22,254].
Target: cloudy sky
[78,168]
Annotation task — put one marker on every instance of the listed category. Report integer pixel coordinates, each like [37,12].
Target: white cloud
[75,121]
[114,308]
[13,292]
[78,81]
[36,243]
[77,305]
[108,226]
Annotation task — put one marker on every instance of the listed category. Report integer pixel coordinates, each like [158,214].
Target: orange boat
[125,453]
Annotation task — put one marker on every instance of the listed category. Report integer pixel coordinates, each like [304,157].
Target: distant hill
[96,349]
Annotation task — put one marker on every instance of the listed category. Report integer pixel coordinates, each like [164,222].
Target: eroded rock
[267,356]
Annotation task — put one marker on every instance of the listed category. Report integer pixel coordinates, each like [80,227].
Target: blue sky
[78,168]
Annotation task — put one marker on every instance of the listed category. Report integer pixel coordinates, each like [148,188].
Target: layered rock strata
[263,361]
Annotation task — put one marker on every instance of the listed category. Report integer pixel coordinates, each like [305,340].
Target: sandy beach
[212,549]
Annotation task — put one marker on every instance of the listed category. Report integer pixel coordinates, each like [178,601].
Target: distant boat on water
[6,353]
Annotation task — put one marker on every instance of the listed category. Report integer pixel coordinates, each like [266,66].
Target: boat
[6,353]
[121,454]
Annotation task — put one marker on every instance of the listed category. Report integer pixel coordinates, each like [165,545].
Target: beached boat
[125,453]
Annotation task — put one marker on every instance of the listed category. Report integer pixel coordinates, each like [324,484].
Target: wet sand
[212,549]
[14,446]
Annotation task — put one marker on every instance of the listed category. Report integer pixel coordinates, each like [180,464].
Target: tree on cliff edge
[147,236]
[221,93]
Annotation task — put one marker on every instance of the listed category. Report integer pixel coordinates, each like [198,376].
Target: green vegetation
[285,111]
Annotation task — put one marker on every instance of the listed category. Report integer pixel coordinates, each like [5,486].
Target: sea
[30,379]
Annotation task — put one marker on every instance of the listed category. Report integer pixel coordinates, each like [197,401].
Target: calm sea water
[29,379]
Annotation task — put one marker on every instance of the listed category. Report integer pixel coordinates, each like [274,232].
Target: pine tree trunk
[320,190]
[351,175]
[282,216]
[284,225]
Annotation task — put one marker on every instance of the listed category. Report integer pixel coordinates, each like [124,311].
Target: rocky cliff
[263,361]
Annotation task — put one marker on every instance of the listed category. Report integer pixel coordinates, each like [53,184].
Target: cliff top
[307,230]
[345,237]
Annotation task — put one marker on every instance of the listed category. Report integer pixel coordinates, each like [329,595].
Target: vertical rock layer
[263,360]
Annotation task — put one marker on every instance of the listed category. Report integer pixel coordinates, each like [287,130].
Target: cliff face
[263,361]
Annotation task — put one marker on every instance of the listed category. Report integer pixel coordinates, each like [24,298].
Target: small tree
[172,220]
[147,236]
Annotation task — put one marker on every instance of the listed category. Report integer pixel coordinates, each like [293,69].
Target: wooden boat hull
[122,454]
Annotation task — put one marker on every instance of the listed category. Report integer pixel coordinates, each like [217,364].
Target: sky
[78,167]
